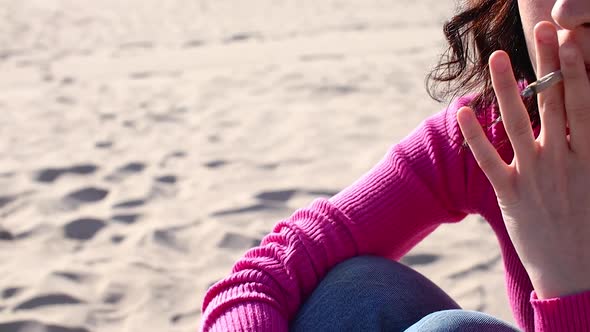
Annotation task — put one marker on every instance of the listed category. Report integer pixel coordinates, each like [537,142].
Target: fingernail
[501,64]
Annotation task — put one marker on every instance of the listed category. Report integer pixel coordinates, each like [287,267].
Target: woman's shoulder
[444,127]
[489,119]
[443,124]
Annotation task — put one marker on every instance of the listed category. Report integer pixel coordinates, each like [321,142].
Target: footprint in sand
[178,318]
[277,195]
[48,300]
[129,218]
[72,276]
[5,235]
[117,238]
[13,203]
[11,292]
[5,200]
[125,171]
[35,230]
[114,293]
[163,187]
[83,196]
[170,157]
[65,100]
[68,80]
[129,204]
[274,200]
[268,203]
[323,193]
[246,209]
[213,138]
[49,175]
[193,43]
[125,218]
[141,75]
[165,238]
[241,37]
[216,163]
[6,175]
[479,267]
[170,237]
[32,325]
[419,259]
[103,144]
[83,229]
[237,241]
[168,179]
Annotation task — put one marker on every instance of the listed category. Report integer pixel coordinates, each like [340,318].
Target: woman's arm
[419,184]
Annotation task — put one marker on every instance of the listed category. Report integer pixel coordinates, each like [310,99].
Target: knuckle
[472,137]
[521,128]
[580,112]
[487,164]
[570,68]
[503,85]
[551,104]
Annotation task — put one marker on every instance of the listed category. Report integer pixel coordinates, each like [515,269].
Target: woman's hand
[544,194]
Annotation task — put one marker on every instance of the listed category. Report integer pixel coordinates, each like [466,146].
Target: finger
[577,97]
[484,152]
[551,101]
[514,115]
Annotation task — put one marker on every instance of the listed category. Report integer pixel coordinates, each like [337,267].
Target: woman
[332,265]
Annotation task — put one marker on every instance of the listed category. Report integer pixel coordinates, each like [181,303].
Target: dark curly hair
[480,28]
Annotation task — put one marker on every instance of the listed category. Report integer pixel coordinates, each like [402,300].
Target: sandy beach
[146,145]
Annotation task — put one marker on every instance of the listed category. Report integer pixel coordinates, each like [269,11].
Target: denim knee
[368,292]
[461,320]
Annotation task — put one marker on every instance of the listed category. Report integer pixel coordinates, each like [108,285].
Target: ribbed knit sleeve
[419,184]
[267,285]
[566,313]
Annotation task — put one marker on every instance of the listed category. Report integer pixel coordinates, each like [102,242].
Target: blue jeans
[368,293]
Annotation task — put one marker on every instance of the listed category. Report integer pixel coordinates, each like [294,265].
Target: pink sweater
[425,180]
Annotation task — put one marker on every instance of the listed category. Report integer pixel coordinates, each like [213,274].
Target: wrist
[561,288]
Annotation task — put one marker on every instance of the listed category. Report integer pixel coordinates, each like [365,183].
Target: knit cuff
[247,317]
[567,313]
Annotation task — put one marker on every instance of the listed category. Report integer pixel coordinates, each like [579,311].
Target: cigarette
[537,86]
[542,83]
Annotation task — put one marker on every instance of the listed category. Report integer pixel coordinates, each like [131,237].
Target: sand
[146,145]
